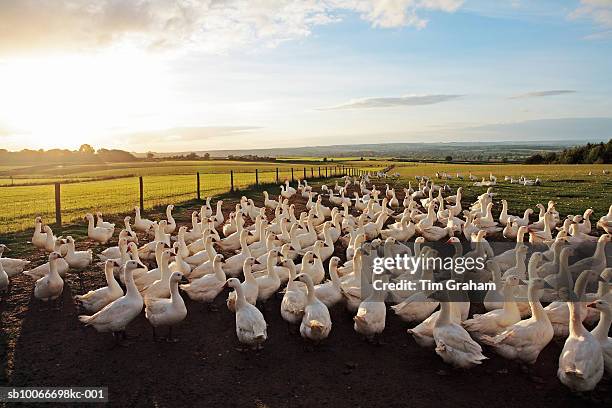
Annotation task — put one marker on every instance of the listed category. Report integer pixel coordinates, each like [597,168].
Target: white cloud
[214,25]
[388,102]
[599,11]
[540,94]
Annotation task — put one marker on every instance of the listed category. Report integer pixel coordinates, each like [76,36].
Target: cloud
[540,94]
[388,102]
[185,134]
[212,25]
[599,11]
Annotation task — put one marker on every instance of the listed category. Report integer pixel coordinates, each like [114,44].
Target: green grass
[569,186]
[164,183]
[175,182]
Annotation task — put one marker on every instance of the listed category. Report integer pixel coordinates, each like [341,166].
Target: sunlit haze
[168,76]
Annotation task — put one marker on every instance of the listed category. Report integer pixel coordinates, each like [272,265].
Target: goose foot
[155,338]
[59,304]
[171,339]
[119,336]
[292,329]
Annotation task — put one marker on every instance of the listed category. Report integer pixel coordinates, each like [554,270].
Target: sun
[65,101]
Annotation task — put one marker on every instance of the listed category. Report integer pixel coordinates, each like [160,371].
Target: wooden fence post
[292,174]
[325,171]
[256,177]
[141,188]
[277,175]
[58,205]
[319,171]
[304,173]
[232,180]
[198,185]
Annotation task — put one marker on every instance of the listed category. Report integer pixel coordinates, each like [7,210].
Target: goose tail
[84,319]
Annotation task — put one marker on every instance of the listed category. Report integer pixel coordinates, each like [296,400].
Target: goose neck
[603,327]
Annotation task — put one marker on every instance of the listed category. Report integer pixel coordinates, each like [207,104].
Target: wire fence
[66,202]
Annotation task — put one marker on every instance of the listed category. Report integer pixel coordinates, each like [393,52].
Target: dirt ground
[206,369]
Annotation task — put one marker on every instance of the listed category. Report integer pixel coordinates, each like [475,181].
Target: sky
[158,75]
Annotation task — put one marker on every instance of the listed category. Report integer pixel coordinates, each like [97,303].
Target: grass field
[164,183]
[175,182]
[569,186]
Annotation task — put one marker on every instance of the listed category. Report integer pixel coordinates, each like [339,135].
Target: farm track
[205,369]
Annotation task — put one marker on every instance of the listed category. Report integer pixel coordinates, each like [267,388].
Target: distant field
[174,182]
[568,185]
[164,183]
[159,168]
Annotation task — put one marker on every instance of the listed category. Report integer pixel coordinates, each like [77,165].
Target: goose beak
[185,281]
[141,265]
[547,285]
[592,305]
[522,282]
[600,279]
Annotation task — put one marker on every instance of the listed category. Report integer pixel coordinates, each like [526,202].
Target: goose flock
[268,251]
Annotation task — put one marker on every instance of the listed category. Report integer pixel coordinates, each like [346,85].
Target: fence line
[70,201]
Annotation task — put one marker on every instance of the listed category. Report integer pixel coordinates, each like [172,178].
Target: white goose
[50,286]
[268,202]
[371,314]
[559,313]
[39,238]
[208,287]
[99,234]
[294,300]
[141,224]
[179,264]
[77,259]
[147,278]
[329,292]
[493,322]
[525,340]
[95,300]
[161,287]
[42,270]
[604,222]
[601,331]
[249,286]
[597,262]
[233,265]
[316,322]
[453,342]
[251,327]
[270,282]
[167,312]
[115,252]
[127,231]
[170,221]
[11,266]
[115,316]
[103,224]
[4,280]
[581,363]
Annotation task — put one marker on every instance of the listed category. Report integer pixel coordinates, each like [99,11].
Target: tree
[86,148]
[325,159]
[448,158]
[206,156]
[150,156]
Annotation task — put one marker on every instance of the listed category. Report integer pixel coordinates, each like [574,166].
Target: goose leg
[59,303]
[118,343]
[171,339]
